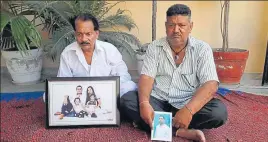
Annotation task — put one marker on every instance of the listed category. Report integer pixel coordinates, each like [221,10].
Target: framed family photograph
[82,101]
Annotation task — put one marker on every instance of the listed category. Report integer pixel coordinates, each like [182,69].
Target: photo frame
[82,102]
[162,126]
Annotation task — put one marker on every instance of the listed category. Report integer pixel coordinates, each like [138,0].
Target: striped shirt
[178,84]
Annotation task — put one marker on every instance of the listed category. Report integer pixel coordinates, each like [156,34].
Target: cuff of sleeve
[152,75]
[126,87]
[209,79]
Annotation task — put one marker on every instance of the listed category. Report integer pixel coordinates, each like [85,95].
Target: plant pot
[140,53]
[24,70]
[230,65]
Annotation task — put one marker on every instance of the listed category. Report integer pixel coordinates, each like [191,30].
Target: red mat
[25,121]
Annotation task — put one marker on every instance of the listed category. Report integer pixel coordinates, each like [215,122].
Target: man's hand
[145,88]
[147,113]
[182,118]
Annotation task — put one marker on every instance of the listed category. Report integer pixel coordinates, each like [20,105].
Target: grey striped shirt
[178,84]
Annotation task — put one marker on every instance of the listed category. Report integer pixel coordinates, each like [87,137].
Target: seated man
[178,76]
[88,56]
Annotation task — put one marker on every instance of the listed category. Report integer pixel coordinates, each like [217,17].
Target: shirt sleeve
[206,69]
[119,68]
[150,62]
[64,68]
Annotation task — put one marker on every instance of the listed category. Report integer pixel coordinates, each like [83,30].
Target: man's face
[85,34]
[79,90]
[178,28]
[161,120]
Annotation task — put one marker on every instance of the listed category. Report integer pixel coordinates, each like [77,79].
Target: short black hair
[162,116]
[77,99]
[179,9]
[86,17]
[79,86]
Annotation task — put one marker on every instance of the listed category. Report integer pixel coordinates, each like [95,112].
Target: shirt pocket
[190,80]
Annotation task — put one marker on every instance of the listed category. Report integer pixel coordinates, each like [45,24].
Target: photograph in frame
[162,126]
[82,102]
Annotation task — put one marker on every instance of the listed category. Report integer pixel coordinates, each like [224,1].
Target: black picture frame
[66,89]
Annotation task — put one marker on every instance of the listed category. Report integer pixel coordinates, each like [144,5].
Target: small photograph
[162,126]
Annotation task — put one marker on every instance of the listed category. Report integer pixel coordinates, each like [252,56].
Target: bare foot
[196,135]
[61,116]
[57,113]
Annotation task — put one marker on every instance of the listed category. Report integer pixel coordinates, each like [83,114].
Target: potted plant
[230,62]
[140,53]
[57,18]
[20,42]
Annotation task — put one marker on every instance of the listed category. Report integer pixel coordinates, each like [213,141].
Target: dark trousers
[212,115]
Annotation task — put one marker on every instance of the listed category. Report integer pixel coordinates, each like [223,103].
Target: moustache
[84,43]
[176,34]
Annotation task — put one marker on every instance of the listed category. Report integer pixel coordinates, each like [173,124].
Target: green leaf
[59,40]
[5,18]
[118,20]
[20,32]
[56,17]
[123,41]
[24,33]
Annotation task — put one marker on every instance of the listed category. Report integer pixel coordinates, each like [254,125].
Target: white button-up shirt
[163,132]
[106,61]
[178,84]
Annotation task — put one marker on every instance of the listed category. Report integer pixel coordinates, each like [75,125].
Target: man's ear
[191,26]
[166,24]
[97,33]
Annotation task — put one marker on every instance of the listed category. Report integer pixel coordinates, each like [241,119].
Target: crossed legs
[212,115]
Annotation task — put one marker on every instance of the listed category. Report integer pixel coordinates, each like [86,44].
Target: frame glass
[82,101]
[162,126]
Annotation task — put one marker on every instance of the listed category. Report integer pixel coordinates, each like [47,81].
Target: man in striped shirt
[178,76]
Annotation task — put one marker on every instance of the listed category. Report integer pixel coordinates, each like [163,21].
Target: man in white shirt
[88,56]
[162,131]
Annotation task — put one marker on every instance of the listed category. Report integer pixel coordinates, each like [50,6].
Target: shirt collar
[78,51]
[98,46]
[189,44]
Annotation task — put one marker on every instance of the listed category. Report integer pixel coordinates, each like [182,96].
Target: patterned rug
[23,119]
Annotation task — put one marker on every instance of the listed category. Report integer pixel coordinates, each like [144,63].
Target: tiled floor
[250,83]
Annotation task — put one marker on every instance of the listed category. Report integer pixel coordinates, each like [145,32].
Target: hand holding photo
[162,126]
